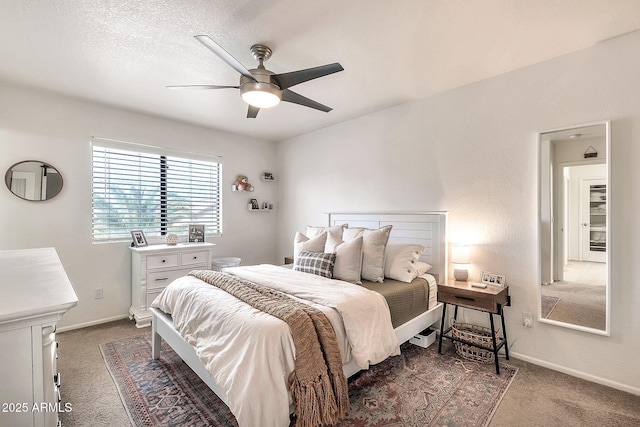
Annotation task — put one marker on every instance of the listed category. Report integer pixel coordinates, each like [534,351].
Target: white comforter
[250,353]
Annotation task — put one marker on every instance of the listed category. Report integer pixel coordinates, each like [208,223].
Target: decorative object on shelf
[196,233]
[253,205]
[460,259]
[267,176]
[138,239]
[492,279]
[171,239]
[242,184]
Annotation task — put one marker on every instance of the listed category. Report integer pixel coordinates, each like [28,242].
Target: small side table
[491,299]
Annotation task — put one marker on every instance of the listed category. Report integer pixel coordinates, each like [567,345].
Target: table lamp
[460,260]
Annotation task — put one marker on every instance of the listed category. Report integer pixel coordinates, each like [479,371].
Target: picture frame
[196,233]
[493,279]
[254,204]
[139,240]
[268,176]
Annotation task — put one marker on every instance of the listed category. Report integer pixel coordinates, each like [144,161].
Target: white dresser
[34,294]
[154,267]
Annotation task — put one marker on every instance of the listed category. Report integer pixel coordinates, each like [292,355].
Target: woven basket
[474,334]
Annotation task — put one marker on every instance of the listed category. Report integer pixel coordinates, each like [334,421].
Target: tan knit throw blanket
[318,386]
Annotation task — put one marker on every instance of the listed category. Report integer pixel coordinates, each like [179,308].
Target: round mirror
[33,180]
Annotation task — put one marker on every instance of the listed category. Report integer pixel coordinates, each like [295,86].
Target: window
[138,187]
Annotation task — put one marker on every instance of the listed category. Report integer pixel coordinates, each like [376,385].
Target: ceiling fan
[261,88]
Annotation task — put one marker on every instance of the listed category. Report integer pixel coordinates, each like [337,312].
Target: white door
[593,219]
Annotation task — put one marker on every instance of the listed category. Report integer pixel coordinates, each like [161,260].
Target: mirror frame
[10,170]
[544,167]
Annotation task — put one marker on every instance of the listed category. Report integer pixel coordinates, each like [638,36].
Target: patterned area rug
[418,388]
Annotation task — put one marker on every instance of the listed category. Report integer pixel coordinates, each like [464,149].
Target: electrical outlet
[527,320]
[98,293]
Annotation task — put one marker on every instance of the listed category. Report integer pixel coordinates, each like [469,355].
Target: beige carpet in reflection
[582,295]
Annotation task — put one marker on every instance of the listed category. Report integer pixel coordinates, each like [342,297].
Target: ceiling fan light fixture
[261,95]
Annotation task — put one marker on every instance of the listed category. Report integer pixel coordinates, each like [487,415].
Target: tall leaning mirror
[574,290]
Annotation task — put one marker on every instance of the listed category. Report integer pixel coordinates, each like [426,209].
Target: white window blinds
[137,187]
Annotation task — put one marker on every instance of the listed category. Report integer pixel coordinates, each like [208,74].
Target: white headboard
[428,229]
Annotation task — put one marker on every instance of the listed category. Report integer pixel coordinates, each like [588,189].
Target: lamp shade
[460,258]
[460,254]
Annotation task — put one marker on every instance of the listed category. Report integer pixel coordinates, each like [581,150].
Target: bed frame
[425,228]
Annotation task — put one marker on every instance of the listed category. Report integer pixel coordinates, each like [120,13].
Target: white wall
[55,129]
[473,152]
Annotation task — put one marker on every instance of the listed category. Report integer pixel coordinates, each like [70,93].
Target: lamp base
[460,275]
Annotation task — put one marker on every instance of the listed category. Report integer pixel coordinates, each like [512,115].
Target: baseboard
[577,374]
[92,323]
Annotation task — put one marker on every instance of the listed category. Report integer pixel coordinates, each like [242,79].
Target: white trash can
[218,264]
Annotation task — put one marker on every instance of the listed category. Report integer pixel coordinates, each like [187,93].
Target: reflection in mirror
[574,219]
[33,180]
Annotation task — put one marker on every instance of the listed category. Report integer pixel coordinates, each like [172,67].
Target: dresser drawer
[190,258]
[151,295]
[469,299]
[160,279]
[162,261]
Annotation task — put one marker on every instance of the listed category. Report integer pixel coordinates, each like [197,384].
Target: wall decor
[242,184]
[267,176]
[33,180]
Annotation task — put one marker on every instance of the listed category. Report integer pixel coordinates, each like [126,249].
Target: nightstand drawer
[191,258]
[467,299]
[462,294]
[162,261]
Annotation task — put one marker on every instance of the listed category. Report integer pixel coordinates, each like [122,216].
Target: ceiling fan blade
[252,113]
[296,98]
[286,80]
[224,55]
[201,87]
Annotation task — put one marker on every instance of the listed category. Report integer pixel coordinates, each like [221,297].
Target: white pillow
[348,264]
[373,250]
[316,231]
[401,259]
[303,243]
[422,267]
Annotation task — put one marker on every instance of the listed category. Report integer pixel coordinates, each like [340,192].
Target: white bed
[425,228]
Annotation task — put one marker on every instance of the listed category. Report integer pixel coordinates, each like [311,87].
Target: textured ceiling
[124,53]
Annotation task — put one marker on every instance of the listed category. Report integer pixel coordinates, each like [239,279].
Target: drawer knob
[164,260]
[195,257]
[162,279]
[465,298]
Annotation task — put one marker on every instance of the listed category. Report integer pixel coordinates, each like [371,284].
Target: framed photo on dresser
[196,233]
[138,238]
